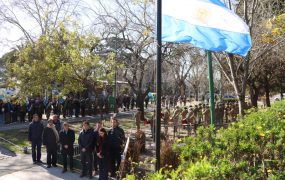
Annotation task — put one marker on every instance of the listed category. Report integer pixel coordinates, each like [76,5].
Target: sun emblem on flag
[202,14]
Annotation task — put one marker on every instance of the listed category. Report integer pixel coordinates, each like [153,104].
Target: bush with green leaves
[252,148]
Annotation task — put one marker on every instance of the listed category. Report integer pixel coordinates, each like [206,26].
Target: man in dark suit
[116,137]
[67,138]
[85,141]
[50,140]
[35,138]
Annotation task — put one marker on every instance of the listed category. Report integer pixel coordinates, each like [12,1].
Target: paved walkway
[21,168]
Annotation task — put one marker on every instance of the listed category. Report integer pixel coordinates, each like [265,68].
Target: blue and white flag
[206,24]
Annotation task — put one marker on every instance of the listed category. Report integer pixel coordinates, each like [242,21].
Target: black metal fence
[76,157]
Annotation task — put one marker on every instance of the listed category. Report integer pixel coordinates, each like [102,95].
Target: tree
[42,14]
[262,70]
[181,59]
[198,76]
[236,69]
[64,61]
[130,23]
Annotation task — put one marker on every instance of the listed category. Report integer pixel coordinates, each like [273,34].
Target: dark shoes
[64,170]
[35,162]
[40,162]
[54,165]
[48,166]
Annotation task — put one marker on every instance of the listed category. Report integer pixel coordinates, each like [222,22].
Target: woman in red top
[103,154]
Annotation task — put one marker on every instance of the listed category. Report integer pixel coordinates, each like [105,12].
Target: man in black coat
[50,140]
[35,138]
[66,139]
[86,146]
[116,138]
[82,107]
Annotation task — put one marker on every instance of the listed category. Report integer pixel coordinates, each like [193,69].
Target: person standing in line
[1,111]
[166,119]
[23,111]
[35,138]
[76,104]
[70,107]
[206,115]
[30,109]
[102,154]
[133,102]
[175,119]
[48,109]
[116,138]
[95,141]
[66,139]
[82,107]
[50,140]
[146,100]
[85,142]
[15,111]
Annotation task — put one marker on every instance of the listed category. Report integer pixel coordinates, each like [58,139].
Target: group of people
[200,115]
[100,150]
[191,116]
[18,110]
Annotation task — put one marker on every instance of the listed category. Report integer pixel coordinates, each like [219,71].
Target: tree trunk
[241,103]
[196,95]
[140,103]
[222,92]
[240,91]
[182,88]
[254,92]
[267,94]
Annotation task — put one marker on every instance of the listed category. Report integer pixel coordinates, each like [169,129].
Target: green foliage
[62,60]
[252,148]
[275,28]
[18,137]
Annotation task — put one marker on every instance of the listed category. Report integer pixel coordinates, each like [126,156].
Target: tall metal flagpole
[211,87]
[158,85]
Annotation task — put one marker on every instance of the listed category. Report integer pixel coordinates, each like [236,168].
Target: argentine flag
[207,24]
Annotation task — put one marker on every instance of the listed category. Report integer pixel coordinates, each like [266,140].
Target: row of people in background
[200,114]
[99,150]
[21,111]
[190,116]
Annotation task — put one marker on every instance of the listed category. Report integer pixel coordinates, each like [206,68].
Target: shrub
[252,148]
[141,139]
[168,157]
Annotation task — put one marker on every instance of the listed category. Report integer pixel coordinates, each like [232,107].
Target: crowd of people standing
[190,117]
[17,110]
[100,150]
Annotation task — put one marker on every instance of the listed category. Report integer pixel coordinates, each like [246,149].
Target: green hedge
[253,148]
